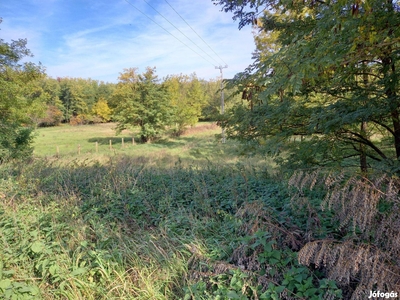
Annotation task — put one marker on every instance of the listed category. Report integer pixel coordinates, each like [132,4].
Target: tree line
[85,101]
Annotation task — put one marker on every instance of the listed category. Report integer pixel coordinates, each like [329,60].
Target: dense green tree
[53,115]
[105,90]
[142,101]
[212,108]
[78,96]
[20,99]
[212,90]
[187,98]
[328,70]
[73,98]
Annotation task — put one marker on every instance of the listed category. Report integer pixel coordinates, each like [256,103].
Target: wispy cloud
[99,39]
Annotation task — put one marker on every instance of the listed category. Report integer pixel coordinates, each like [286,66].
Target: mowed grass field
[199,144]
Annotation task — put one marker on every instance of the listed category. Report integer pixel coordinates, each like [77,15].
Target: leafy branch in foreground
[326,70]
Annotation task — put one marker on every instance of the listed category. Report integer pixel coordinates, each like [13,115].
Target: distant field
[199,143]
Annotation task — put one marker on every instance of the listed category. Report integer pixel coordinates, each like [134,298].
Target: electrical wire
[196,32]
[167,31]
[178,29]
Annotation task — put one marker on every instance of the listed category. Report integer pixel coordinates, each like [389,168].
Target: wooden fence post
[123,143]
[79,149]
[58,151]
[97,147]
[110,145]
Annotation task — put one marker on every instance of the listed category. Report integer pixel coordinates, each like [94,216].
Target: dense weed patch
[129,230]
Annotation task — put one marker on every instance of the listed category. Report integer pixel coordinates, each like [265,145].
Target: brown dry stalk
[367,257]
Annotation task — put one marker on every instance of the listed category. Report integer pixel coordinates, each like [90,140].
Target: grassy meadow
[197,145]
[180,218]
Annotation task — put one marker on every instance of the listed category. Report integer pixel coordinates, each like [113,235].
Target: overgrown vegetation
[124,230]
[129,229]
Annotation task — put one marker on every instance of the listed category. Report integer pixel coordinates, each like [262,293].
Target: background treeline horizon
[79,101]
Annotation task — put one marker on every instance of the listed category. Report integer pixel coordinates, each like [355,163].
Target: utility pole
[222,99]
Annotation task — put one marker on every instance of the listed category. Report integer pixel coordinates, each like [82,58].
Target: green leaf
[273,261]
[8,272]
[78,271]
[53,269]
[5,284]
[299,278]
[276,254]
[37,247]
[311,292]
[27,290]
[275,297]
[34,233]
[232,295]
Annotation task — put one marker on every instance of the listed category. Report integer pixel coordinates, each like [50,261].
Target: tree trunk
[396,127]
[363,155]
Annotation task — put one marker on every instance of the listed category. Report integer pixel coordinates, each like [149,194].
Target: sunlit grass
[198,144]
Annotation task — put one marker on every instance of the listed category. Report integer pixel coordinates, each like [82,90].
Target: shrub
[53,117]
[15,141]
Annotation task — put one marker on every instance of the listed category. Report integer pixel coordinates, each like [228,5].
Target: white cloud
[100,39]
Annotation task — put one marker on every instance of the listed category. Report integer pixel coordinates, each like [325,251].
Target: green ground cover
[199,143]
[127,229]
[184,218]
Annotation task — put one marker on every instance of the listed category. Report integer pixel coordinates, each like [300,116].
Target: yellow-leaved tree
[102,110]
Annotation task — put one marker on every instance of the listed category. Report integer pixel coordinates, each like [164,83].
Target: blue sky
[97,38]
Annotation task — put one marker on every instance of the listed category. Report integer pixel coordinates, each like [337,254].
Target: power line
[222,99]
[167,31]
[178,28]
[195,32]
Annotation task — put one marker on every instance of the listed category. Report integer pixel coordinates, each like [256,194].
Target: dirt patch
[200,128]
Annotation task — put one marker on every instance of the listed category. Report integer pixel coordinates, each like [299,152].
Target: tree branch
[384,126]
[365,141]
